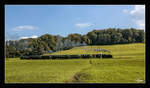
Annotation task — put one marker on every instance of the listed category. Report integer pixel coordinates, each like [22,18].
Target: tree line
[48,43]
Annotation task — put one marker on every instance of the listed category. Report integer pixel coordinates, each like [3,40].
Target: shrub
[45,57]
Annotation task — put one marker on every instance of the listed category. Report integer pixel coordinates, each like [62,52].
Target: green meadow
[126,66]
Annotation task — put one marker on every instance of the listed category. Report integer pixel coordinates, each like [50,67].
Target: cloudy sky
[24,21]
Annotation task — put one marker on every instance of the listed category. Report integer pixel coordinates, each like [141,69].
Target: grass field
[127,66]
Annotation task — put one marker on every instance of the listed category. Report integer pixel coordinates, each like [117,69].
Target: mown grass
[113,71]
[127,66]
[42,70]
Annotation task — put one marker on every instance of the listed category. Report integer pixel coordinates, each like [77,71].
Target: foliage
[51,43]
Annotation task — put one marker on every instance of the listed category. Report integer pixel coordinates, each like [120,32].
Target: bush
[66,56]
[35,57]
[86,56]
[74,56]
[31,57]
[45,57]
[106,56]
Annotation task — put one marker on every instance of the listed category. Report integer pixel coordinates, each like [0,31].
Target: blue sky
[24,21]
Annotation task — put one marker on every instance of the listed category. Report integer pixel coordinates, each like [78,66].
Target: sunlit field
[126,66]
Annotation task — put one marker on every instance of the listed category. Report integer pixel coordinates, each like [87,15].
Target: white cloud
[23,37]
[125,11]
[25,27]
[140,24]
[138,10]
[83,25]
[138,15]
[33,36]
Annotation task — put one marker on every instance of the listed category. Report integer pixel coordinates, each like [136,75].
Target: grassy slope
[128,65]
[42,70]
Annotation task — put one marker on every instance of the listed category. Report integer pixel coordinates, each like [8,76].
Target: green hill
[127,66]
[120,51]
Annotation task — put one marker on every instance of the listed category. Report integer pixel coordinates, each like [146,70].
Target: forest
[48,43]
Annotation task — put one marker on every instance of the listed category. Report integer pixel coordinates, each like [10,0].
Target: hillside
[127,66]
[122,50]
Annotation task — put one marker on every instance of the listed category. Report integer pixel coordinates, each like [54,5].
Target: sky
[32,21]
